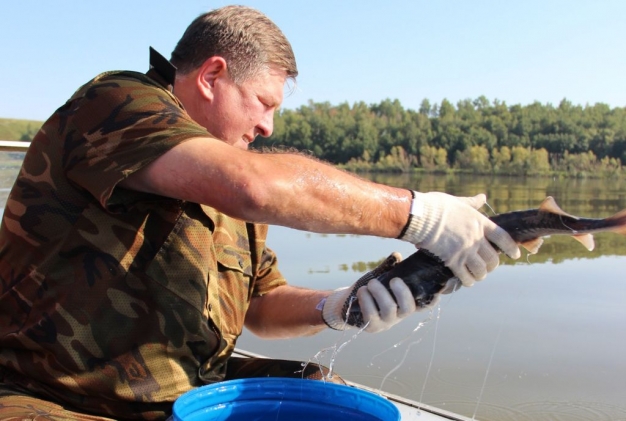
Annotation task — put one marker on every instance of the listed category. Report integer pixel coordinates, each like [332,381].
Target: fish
[427,276]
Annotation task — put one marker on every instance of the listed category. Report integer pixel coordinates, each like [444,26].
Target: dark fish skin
[426,275]
[527,227]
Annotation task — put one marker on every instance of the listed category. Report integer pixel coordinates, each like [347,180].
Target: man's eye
[265,103]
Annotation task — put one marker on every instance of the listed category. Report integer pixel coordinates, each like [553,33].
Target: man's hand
[380,309]
[451,228]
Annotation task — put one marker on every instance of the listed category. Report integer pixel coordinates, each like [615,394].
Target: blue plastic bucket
[271,398]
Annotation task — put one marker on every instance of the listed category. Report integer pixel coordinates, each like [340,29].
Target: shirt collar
[162,70]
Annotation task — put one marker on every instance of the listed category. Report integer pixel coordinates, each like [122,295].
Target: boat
[409,409]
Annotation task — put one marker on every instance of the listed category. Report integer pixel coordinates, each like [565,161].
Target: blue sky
[347,51]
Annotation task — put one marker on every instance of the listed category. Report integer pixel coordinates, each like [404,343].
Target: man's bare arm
[286,312]
[275,188]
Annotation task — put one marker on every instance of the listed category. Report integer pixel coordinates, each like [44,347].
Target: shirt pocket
[185,261]
[230,288]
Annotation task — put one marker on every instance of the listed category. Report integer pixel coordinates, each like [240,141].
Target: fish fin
[586,240]
[549,205]
[618,221]
[532,245]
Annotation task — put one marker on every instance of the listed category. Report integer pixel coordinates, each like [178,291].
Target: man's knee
[25,408]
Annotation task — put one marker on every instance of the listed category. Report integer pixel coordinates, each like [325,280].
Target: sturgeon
[426,275]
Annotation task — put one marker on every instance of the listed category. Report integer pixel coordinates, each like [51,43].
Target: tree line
[475,136]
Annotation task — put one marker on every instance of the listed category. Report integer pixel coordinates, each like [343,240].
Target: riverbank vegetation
[14,129]
[473,136]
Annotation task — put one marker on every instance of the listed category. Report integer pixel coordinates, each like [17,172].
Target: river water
[541,338]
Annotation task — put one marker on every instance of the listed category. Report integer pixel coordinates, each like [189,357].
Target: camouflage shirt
[114,301]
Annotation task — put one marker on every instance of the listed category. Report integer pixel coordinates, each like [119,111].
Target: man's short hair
[247,39]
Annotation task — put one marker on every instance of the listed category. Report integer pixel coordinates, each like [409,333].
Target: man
[132,248]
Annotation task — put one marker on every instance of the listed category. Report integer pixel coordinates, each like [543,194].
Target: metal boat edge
[409,409]
[13,146]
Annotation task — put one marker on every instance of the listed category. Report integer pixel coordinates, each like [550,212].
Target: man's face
[238,113]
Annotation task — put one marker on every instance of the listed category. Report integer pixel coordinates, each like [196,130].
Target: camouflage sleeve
[116,125]
[268,275]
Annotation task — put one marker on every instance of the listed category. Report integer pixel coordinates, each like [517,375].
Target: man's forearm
[322,198]
[286,312]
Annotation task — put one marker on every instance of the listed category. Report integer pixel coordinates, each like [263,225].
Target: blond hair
[247,39]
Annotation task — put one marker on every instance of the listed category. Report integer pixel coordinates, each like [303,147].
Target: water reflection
[559,353]
[589,197]
[10,163]
[559,344]
[555,249]
[579,197]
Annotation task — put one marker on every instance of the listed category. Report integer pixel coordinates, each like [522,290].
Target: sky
[516,52]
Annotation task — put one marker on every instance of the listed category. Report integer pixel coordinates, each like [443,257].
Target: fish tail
[617,222]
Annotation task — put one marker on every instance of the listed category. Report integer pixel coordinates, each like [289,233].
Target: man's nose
[265,127]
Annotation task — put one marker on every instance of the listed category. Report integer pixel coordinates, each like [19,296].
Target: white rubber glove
[380,310]
[451,228]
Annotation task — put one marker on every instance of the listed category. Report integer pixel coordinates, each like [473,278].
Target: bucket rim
[264,389]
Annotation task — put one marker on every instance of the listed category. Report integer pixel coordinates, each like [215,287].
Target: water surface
[539,339]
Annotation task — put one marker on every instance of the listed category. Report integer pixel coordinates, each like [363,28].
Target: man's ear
[211,71]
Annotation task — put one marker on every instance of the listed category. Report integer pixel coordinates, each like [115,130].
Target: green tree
[501,160]
[474,158]
[520,160]
[539,162]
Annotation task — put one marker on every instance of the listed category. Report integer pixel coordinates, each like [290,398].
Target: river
[541,338]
